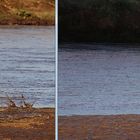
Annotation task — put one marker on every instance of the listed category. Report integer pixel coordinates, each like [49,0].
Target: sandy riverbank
[35,124]
[113,127]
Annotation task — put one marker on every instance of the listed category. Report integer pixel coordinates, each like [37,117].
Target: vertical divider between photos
[56,69]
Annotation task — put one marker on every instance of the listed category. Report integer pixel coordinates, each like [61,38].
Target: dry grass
[20,121]
[27,11]
[11,104]
[36,124]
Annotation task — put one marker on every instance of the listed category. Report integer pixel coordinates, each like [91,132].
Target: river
[27,64]
[99,79]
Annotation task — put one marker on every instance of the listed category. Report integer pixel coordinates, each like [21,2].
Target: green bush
[23,13]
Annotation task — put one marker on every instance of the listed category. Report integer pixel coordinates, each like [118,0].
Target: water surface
[99,79]
[27,63]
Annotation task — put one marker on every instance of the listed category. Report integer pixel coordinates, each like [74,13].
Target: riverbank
[27,12]
[35,124]
[113,127]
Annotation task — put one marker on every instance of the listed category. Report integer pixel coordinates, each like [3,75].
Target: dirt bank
[27,12]
[35,124]
[117,127]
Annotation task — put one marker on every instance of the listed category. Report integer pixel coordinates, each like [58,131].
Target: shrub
[23,13]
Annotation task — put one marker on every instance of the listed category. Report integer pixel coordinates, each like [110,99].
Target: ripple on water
[27,61]
[99,81]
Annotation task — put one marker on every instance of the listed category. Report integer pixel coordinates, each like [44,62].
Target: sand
[34,124]
[113,127]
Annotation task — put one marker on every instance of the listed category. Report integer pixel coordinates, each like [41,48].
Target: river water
[99,79]
[27,64]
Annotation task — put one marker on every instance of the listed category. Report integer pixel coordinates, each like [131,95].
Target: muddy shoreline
[33,124]
[35,22]
[111,127]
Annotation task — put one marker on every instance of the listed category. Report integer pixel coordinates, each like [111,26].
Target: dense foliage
[99,20]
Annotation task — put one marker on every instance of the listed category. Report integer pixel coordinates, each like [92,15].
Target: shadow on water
[100,46]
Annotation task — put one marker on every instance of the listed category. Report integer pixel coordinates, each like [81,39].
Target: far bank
[27,12]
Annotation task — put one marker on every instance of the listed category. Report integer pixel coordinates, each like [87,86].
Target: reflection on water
[27,60]
[101,80]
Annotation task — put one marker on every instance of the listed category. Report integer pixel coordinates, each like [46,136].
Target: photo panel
[27,69]
[98,69]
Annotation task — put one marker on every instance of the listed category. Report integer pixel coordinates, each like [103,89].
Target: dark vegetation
[99,21]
